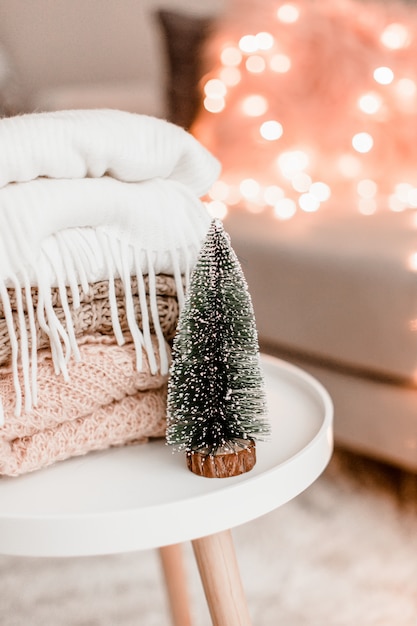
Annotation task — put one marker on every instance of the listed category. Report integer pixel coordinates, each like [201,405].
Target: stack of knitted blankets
[100,226]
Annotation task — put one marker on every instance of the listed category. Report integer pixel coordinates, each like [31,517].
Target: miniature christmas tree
[216,398]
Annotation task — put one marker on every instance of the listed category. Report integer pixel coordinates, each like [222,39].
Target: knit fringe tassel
[72,271]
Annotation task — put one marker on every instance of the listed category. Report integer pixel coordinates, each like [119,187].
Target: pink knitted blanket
[106,402]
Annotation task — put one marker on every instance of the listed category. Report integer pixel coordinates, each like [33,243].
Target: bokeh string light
[300,126]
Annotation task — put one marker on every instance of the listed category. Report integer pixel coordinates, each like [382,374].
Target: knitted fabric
[93,315]
[107,402]
[164,286]
[87,196]
[76,144]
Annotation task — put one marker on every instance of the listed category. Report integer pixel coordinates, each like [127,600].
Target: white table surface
[141,497]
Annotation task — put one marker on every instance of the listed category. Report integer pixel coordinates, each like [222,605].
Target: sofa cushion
[338,288]
[184,35]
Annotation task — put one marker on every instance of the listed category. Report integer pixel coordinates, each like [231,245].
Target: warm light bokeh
[314,103]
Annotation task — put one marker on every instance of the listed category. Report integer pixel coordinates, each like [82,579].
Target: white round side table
[141,497]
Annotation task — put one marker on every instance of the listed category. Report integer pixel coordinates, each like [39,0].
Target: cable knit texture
[106,402]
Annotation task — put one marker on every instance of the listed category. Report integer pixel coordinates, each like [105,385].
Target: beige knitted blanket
[93,314]
[107,402]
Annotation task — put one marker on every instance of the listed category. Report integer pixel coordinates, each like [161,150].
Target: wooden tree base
[224,463]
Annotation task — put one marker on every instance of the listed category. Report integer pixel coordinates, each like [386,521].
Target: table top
[143,496]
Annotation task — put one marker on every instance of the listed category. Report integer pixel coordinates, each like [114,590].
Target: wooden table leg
[175,580]
[216,560]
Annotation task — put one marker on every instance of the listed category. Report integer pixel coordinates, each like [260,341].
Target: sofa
[337,296]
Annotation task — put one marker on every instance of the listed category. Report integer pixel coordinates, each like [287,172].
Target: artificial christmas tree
[216,398]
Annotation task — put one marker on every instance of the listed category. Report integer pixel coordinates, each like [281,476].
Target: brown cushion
[184,36]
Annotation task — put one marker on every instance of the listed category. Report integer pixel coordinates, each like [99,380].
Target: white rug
[344,553]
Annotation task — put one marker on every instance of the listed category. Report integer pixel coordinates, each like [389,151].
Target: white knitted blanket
[88,196]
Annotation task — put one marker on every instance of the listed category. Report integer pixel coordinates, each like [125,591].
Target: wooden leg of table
[216,560]
[175,580]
